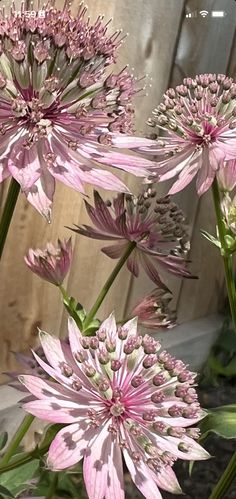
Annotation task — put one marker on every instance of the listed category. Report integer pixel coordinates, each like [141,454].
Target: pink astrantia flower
[52,263]
[226,176]
[117,394]
[153,310]
[60,108]
[198,119]
[157,227]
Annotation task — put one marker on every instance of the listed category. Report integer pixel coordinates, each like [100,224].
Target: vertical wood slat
[28,302]
[204,46]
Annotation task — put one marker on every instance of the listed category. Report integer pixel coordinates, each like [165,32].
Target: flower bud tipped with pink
[227,176]
[153,310]
[52,263]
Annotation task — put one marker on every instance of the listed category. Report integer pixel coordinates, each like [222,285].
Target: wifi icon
[203,13]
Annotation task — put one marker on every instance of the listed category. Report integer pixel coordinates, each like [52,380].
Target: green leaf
[227,340]
[92,328]
[211,238]
[75,310]
[50,433]
[17,480]
[5,492]
[220,420]
[3,439]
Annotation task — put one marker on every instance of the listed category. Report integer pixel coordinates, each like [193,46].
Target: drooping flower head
[153,310]
[60,105]
[198,119]
[117,394]
[155,226]
[52,263]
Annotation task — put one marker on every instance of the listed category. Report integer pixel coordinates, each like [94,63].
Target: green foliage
[221,362]
[78,313]
[68,486]
[49,434]
[220,420]
[92,328]
[18,480]
[3,439]
[5,492]
[75,310]
[30,474]
[229,246]
[211,238]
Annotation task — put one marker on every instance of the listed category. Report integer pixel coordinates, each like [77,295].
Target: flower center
[117,409]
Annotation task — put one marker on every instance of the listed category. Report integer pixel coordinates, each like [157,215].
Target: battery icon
[218,13]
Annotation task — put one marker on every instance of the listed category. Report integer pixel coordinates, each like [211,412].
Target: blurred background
[168,40]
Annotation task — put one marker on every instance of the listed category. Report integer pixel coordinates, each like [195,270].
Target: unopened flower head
[51,263]
[226,176]
[61,107]
[28,365]
[228,207]
[117,394]
[155,226]
[198,119]
[153,310]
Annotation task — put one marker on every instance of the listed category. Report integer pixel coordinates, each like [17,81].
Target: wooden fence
[167,46]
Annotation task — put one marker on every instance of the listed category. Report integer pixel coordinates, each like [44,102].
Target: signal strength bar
[191,14]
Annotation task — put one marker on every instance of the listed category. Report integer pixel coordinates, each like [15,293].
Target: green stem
[8,210]
[64,293]
[16,462]
[20,433]
[227,258]
[108,284]
[53,487]
[221,488]
[223,485]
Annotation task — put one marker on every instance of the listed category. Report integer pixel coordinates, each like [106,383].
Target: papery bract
[228,207]
[198,119]
[51,263]
[60,108]
[226,176]
[156,226]
[117,394]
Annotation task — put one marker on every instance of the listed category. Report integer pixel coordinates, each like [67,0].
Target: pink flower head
[198,119]
[226,176]
[153,310]
[117,394]
[52,263]
[60,108]
[157,227]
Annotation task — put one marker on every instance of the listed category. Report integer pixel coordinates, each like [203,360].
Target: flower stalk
[229,474]
[53,486]
[226,479]
[108,284]
[227,258]
[8,210]
[19,435]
